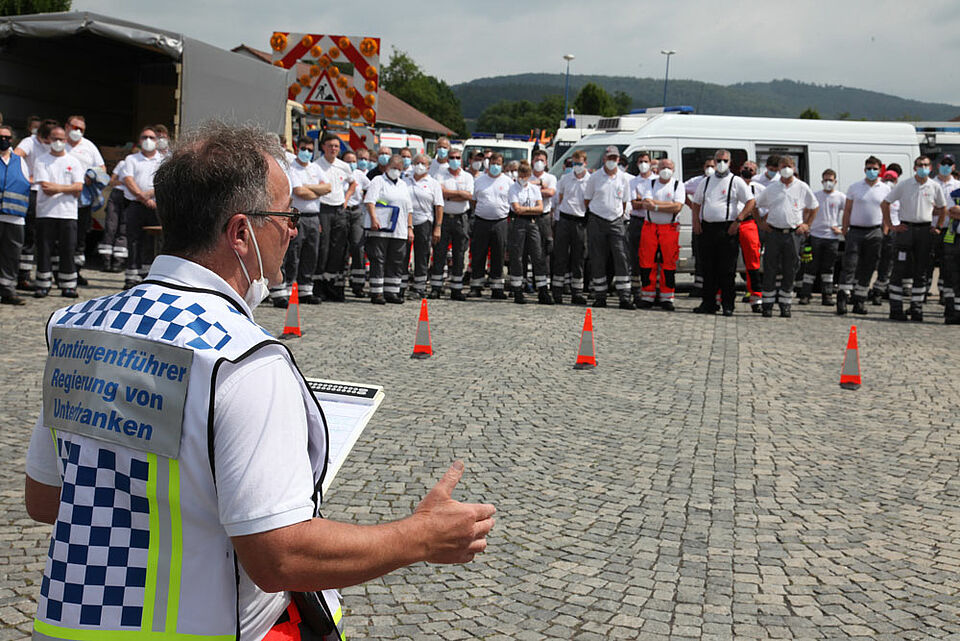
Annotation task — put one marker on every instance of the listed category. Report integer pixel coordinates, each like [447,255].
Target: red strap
[288,630]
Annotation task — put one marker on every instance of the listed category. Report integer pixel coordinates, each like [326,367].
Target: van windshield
[594,157]
[509,153]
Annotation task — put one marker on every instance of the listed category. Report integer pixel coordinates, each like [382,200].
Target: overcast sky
[884,45]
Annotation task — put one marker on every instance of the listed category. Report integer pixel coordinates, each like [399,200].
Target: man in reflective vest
[179,452]
[14,199]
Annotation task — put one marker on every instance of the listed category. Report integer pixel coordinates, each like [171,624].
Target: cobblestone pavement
[708,480]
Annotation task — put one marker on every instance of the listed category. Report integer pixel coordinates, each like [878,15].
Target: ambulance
[511,146]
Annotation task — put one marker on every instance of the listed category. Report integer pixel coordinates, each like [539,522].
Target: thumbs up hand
[453,532]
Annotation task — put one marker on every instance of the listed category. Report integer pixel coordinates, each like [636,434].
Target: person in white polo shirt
[457,187]
[440,164]
[491,202]
[606,193]
[334,228]
[716,223]
[427,197]
[791,207]
[526,206]
[30,149]
[635,223]
[548,190]
[309,183]
[660,199]
[358,272]
[921,199]
[84,149]
[387,248]
[825,233]
[881,285]
[863,237]
[948,183]
[59,176]
[570,241]
[141,210]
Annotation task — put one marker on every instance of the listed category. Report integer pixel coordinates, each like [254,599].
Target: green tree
[622,101]
[594,99]
[810,114]
[520,116]
[23,7]
[404,78]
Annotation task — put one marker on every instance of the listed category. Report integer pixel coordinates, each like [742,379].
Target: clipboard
[387,217]
[348,408]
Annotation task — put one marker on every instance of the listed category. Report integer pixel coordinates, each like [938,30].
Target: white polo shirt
[356,198]
[87,152]
[948,187]
[635,182]
[438,168]
[395,194]
[492,196]
[309,175]
[339,176]
[547,181]
[141,169]
[33,148]
[62,170]
[463,181]
[571,189]
[718,197]
[829,215]
[866,199]
[673,190]
[917,200]
[786,203]
[525,195]
[755,190]
[425,195]
[607,194]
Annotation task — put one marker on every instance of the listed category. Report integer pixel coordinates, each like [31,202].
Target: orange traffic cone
[586,357]
[422,348]
[293,307]
[850,373]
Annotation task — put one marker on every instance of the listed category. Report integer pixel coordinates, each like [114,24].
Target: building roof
[392,112]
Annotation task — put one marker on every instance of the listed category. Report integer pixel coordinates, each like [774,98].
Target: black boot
[518,296]
[600,300]
[107,264]
[457,294]
[826,299]
[859,305]
[876,298]
[577,298]
[626,303]
[841,303]
[896,311]
[805,294]
[498,294]
[916,313]
[767,310]
[950,316]
[543,296]
[435,293]
[378,299]
[558,296]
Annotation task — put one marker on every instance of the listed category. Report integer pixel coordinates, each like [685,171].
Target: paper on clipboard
[387,216]
[347,408]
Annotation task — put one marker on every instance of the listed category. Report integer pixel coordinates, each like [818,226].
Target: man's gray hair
[721,152]
[215,171]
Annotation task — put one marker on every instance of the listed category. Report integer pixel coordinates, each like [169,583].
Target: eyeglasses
[292,216]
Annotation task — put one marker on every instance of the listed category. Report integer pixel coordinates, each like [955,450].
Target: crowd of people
[395,225]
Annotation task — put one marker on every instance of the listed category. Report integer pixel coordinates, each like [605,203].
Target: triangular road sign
[323,92]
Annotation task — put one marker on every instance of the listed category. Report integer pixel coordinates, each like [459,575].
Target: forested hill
[784,98]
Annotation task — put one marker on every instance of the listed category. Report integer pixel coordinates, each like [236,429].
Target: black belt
[577,219]
[926,224]
[725,223]
[309,214]
[330,209]
[783,230]
[450,213]
[865,228]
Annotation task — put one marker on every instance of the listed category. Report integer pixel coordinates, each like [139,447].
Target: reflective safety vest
[14,188]
[138,551]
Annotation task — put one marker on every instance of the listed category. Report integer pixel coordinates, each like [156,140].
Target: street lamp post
[666,76]
[566,85]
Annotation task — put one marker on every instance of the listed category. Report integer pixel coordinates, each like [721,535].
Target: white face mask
[486,163]
[611,165]
[666,173]
[163,144]
[476,165]
[709,171]
[259,289]
[786,173]
[523,181]
[393,173]
[419,169]
[539,166]
[148,145]
[722,167]
[513,174]
[58,145]
[643,167]
[828,185]
[75,135]
[579,169]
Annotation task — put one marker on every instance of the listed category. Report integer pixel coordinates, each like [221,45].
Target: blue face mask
[362,165]
[946,170]
[305,155]
[454,164]
[872,174]
[923,172]
[383,158]
[442,152]
[353,166]
[407,162]
[495,170]
[567,170]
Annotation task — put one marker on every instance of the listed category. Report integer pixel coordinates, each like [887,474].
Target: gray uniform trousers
[608,238]
[454,233]
[569,252]
[525,240]
[323,248]
[11,242]
[355,237]
[300,262]
[113,244]
[911,255]
[51,234]
[780,259]
[545,224]
[338,248]
[488,235]
[950,267]
[825,251]
[386,263]
[634,230]
[422,237]
[860,256]
[139,243]
[884,265]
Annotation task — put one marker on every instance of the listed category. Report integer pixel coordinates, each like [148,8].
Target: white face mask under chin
[259,289]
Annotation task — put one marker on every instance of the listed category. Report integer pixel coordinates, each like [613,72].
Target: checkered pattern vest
[138,551]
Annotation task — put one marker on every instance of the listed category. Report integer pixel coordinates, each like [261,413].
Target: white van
[511,146]
[816,145]
[399,139]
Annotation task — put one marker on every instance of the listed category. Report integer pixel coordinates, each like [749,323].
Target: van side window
[694,157]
